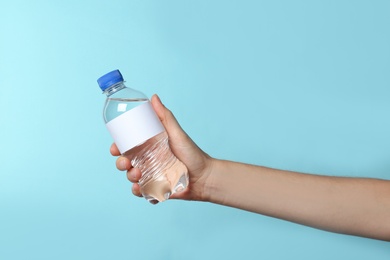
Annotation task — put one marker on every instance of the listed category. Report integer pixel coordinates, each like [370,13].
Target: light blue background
[297,85]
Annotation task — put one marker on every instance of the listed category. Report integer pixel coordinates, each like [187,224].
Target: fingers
[114,150]
[136,190]
[134,175]
[123,164]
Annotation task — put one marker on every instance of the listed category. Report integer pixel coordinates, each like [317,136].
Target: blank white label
[134,127]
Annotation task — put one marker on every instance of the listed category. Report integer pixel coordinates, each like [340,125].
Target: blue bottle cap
[109,79]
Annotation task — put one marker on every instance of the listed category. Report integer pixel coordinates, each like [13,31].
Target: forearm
[346,205]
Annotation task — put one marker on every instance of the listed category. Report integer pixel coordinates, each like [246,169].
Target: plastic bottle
[140,136]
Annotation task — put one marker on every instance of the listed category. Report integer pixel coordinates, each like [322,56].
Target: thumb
[158,107]
[166,117]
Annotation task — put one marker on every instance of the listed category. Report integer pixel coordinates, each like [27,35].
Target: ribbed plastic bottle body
[162,173]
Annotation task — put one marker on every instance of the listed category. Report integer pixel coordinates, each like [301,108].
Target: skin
[354,206]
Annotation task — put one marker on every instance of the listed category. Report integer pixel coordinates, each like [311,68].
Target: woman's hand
[198,163]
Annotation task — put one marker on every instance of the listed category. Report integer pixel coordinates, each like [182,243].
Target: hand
[198,162]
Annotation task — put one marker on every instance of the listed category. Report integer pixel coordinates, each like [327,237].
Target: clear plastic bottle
[140,136]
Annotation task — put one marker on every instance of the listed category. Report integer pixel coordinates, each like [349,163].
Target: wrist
[212,187]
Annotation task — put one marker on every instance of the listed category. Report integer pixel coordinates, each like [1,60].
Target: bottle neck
[114,88]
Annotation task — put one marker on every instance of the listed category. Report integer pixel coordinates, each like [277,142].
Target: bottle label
[134,127]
